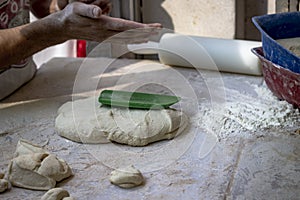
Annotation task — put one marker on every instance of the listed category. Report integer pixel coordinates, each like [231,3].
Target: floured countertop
[231,149]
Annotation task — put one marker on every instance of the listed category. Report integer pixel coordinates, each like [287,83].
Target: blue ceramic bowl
[279,26]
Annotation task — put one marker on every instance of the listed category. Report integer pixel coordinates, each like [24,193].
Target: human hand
[85,21]
[105,5]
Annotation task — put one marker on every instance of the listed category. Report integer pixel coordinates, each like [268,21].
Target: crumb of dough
[128,177]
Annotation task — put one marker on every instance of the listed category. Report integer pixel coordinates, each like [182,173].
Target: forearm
[21,42]
[76,21]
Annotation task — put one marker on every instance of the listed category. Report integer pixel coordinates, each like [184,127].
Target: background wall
[229,19]
[222,18]
[193,17]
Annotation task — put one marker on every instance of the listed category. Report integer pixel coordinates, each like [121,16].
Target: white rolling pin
[209,53]
[227,55]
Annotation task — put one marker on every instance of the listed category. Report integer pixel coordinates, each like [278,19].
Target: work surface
[205,162]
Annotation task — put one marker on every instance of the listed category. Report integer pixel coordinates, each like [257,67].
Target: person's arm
[76,21]
[23,41]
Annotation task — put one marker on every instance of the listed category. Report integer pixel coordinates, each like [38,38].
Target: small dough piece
[35,168]
[4,185]
[25,147]
[54,168]
[87,122]
[57,194]
[128,177]
[21,173]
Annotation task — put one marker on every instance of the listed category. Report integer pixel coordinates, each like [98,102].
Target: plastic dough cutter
[136,99]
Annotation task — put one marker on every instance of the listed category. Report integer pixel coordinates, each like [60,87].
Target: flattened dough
[128,177]
[34,168]
[87,122]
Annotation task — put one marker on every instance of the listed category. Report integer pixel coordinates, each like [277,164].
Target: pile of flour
[244,115]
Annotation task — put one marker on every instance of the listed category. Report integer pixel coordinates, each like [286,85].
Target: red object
[81,48]
[284,83]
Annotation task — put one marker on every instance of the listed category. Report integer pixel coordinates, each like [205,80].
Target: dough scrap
[88,122]
[54,168]
[128,177]
[4,185]
[26,147]
[35,168]
[57,194]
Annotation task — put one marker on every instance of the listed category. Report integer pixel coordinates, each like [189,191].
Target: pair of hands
[87,19]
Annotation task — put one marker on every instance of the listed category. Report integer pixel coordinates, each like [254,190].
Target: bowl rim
[258,51]
[266,34]
[286,74]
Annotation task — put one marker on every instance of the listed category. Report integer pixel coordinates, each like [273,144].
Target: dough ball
[88,122]
[57,194]
[128,177]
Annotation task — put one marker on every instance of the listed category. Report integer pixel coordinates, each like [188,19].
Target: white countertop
[196,165]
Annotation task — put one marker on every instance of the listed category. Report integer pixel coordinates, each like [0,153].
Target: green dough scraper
[136,99]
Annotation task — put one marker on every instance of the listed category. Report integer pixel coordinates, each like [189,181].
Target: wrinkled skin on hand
[85,21]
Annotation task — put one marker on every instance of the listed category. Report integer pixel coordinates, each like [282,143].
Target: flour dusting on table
[245,115]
